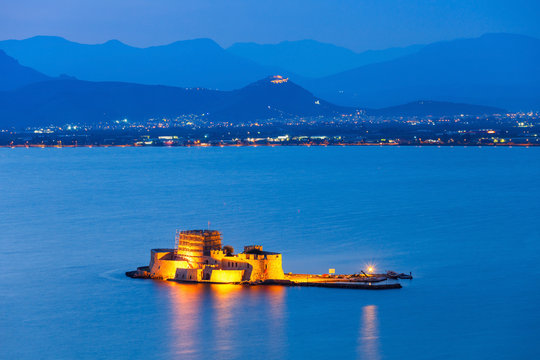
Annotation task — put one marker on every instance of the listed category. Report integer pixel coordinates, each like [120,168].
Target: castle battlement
[199,257]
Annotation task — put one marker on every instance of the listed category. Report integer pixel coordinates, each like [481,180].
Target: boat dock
[336,285]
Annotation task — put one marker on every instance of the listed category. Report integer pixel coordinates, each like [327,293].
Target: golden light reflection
[226,304]
[216,318]
[186,309]
[277,334]
[275,315]
[368,340]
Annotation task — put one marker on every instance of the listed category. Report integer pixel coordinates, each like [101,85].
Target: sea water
[463,220]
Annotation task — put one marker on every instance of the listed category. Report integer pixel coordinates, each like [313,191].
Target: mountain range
[38,100]
[309,58]
[13,75]
[60,101]
[495,69]
[190,63]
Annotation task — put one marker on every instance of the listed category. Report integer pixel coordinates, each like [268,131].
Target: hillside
[74,101]
[13,75]
[311,58]
[190,63]
[275,97]
[424,108]
[497,69]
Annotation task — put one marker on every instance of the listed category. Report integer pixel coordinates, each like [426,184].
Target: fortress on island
[199,257]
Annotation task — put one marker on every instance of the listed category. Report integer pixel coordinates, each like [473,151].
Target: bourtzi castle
[198,256]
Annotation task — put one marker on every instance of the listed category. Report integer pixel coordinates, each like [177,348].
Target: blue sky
[357,24]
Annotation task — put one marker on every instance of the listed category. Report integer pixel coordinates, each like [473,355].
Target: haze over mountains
[434,108]
[190,63]
[495,69]
[38,100]
[309,58]
[13,75]
[111,80]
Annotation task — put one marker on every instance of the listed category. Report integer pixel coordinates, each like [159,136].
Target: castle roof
[259,252]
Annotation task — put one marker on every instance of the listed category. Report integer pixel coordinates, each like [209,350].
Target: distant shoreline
[269,145]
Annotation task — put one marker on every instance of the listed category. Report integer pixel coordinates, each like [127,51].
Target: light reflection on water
[225,305]
[368,340]
[220,320]
[185,325]
[210,318]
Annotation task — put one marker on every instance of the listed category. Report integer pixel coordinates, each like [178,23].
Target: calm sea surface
[465,221]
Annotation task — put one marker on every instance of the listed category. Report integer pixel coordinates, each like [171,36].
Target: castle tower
[192,245]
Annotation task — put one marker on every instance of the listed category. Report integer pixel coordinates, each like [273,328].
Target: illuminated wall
[226,276]
[209,275]
[256,266]
[163,264]
[189,274]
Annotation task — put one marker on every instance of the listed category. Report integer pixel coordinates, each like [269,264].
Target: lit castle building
[199,257]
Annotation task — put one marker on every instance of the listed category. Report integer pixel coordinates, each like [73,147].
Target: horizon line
[262,44]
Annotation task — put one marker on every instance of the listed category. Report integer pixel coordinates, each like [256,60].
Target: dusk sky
[357,24]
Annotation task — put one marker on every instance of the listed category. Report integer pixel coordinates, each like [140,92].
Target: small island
[198,257]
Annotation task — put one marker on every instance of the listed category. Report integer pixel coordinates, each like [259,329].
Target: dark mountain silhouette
[199,62]
[311,58]
[275,97]
[13,75]
[74,101]
[424,108]
[495,69]
[67,100]
[189,63]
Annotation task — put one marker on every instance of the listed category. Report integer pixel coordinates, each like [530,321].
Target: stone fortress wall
[258,265]
[198,257]
[163,264]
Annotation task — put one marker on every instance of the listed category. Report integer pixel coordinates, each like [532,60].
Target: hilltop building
[199,257]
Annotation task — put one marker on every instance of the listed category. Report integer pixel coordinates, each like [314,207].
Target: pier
[336,285]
